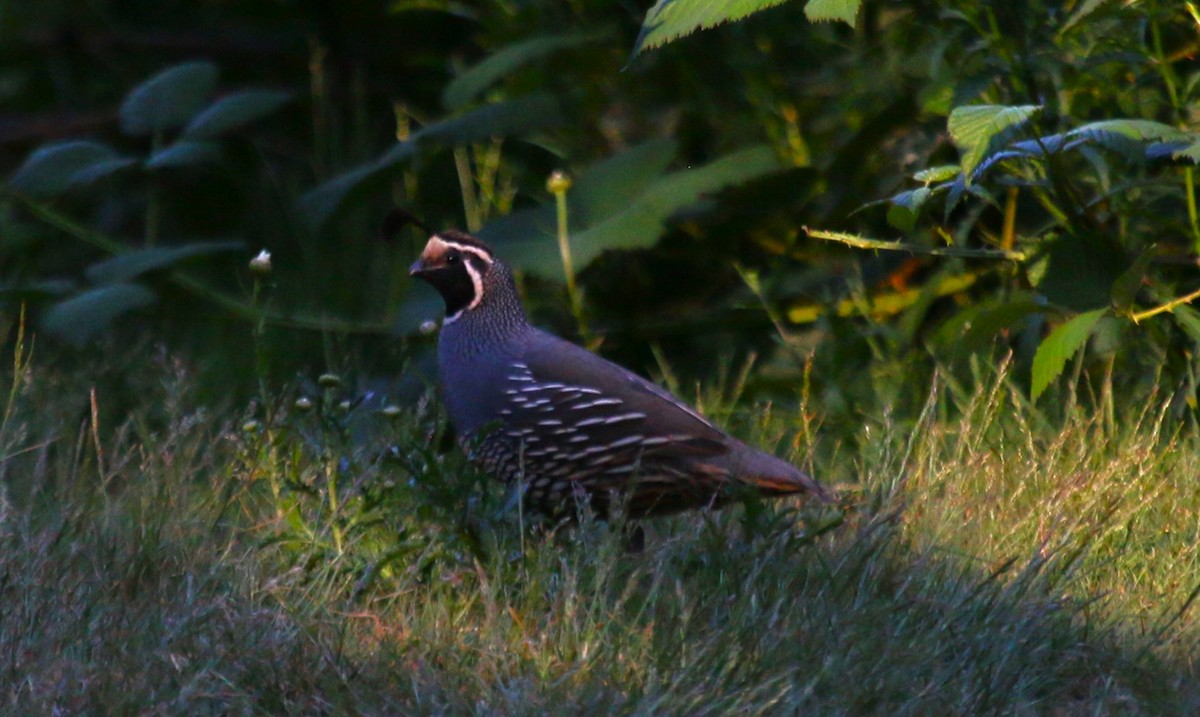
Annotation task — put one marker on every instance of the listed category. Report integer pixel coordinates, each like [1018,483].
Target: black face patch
[455,268]
[454,283]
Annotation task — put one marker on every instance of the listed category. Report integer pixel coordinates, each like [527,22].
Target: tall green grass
[179,560]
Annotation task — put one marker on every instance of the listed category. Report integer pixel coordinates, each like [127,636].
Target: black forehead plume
[396,220]
[464,239]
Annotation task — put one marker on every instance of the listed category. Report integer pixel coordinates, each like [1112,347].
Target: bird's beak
[419,268]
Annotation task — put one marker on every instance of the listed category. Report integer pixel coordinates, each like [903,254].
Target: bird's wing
[599,405]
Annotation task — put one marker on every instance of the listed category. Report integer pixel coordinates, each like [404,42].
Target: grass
[176,560]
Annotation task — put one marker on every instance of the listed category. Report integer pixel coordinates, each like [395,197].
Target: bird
[567,427]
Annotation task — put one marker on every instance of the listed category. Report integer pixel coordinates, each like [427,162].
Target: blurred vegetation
[943,255]
[1009,167]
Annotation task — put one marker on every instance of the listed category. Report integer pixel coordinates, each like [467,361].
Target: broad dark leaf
[184,153]
[169,99]
[640,221]
[128,266]
[53,169]
[473,82]
[78,319]
[233,111]
[516,117]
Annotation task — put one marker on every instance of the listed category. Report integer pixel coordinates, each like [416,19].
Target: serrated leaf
[638,222]
[1057,348]
[235,110]
[515,117]
[832,10]
[169,99]
[974,128]
[82,317]
[940,173]
[135,263]
[184,153]
[670,20]
[1138,129]
[1188,320]
[1189,151]
[53,169]
[474,81]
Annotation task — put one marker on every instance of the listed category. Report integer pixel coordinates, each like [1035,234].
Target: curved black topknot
[396,220]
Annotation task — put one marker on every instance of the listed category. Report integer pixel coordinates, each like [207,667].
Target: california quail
[565,423]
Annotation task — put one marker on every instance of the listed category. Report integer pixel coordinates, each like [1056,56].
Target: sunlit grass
[988,563]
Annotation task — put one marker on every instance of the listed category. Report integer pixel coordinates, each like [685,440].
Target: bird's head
[459,267]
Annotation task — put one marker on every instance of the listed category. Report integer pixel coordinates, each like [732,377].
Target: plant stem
[558,185]
[1139,316]
[462,162]
[1189,183]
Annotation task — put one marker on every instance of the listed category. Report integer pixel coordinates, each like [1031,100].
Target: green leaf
[128,266]
[974,129]
[1080,271]
[1190,151]
[233,111]
[973,328]
[1062,343]
[638,222]
[1188,320]
[1138,129]
[55,168]
[516,117]
[82,317]
[167,100]
[832,10]
[940,173]
[184,153]
[672,19]
[471,83]
[1126,286]
[906,207]
[600,191]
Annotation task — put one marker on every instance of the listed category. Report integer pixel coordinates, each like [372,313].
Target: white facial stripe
[477,282]
[445,244]
[441,246]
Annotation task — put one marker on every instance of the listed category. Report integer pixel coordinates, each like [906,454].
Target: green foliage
[991,566]
[168,100]
[56,168]
[669,20]
[1062,343]
[467,87]
[621,204]
[234,111]
[1026,155]
[81,317]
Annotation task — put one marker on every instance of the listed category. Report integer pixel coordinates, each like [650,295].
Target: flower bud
[261,264]
[558,183]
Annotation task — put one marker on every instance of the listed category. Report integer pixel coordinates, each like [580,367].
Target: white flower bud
[261,264]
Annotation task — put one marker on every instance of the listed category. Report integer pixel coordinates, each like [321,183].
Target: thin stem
[860,242]
[558,184]
[462,163]
[1171,305]
[1189,183]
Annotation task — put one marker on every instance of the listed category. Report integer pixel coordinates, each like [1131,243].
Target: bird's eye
[453,257]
